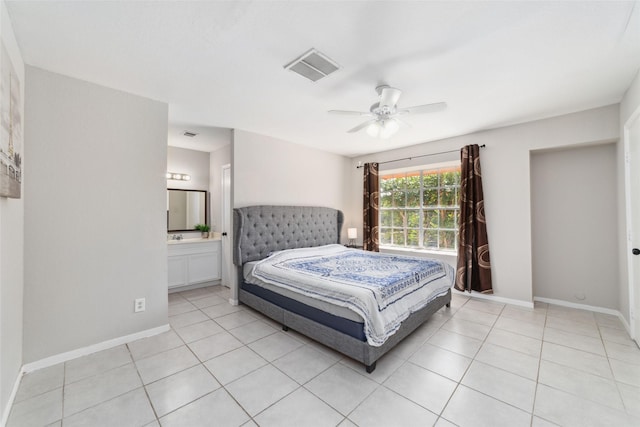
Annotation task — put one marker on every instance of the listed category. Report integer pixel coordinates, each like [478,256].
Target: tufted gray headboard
[260,230]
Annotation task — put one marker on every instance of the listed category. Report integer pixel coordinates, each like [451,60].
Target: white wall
[574,225]
[506,179]
[11,251]
[95,226]
[218,159]
[192,162]
[274,172]
[629,106]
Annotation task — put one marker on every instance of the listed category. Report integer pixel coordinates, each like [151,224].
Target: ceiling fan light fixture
[383,129]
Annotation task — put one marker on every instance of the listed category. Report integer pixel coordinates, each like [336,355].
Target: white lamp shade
[352,233]
[383,129]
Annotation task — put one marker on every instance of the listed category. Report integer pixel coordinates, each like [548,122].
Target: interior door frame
[226,240]
[629,225]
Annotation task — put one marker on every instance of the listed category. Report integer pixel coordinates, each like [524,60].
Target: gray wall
[574,225]
[11,252]
[95,201]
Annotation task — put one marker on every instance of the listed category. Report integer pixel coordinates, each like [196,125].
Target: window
[419,209]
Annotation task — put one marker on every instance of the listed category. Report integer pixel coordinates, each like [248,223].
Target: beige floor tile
[37,411]
[577,359]
[252,331]
[91,391]
[502,385]
[341,387]
[164,364]
[385,408]
[40,381]
[218,406]
[275,346]
[96,363]
[566,409]
[580,342]
[584,385]
[426,388]
[467,407]
[517,342]
[230,366]
[253,396]
[466,328]
[146,347]
[128,410]
[509,360]
[215,345]
[198,331]
[441,361]
[304,363]
[456,343]
[523,327]
[170,393]
[300,408]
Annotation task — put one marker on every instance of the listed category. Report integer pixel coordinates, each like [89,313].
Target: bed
[262,233]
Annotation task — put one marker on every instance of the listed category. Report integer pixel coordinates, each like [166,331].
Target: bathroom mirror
[185,209]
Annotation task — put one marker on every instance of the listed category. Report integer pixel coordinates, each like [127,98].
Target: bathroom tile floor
[477,363]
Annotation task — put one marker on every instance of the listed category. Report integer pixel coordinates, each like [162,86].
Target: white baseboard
[63,357]
[495,298]
[587,307]
[233,301]
[12,397]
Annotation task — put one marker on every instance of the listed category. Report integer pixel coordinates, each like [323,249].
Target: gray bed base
[260,230]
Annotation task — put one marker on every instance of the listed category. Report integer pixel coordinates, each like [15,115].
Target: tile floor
[475,364]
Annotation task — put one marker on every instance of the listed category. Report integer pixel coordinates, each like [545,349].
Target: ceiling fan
[384,115]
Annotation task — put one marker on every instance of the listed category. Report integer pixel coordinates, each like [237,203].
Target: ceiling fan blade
[389,96]
[361,126]
[350,113]
[421,109]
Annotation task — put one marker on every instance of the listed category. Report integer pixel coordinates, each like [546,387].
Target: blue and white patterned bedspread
[383,289]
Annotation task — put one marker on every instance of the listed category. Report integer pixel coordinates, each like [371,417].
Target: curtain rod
[415,157]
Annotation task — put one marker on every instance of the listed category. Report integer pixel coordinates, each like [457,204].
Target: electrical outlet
[139,305]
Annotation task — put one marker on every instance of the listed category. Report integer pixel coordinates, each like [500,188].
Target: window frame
[422,210]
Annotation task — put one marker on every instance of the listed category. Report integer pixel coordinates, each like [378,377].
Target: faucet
[176,237]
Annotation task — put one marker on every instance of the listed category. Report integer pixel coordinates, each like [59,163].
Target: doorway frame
[629,226]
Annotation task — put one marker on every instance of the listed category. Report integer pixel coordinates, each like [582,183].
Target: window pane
[447,239]
[386,184]
[385,236]
[399,199]
[450,177]
[430,179]
[386,200]
[430,219]
[447,218]
[398,238]
[413,219]
[413,199]
[413,181]
[431,197]
[398,218]
[431,239]
[413,237]
[448,197]
[385,218]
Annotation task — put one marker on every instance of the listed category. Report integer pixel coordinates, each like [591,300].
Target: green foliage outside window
[420,209]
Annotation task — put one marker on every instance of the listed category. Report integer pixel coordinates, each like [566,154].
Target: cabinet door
[204,267]
[177,266]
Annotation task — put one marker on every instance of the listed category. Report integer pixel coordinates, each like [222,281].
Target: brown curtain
[474,267]
[371,193]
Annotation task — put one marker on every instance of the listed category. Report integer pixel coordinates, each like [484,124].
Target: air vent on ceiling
[313,65]
[189,134]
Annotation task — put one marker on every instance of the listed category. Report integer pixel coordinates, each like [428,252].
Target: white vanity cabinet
[193,261]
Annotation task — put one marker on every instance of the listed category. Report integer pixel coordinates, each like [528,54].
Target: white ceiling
[220,64]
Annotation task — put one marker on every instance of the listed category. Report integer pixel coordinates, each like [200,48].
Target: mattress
[327,307]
